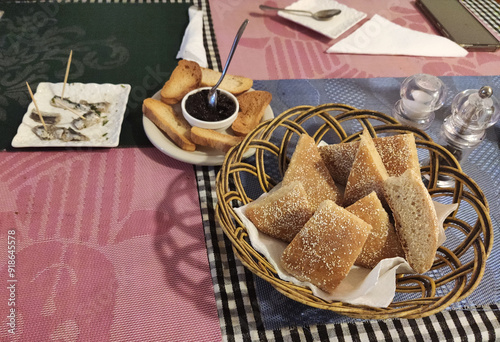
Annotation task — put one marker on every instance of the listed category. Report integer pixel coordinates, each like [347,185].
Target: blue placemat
[380,94]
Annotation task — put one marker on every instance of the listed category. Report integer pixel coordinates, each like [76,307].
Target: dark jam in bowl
[197,106]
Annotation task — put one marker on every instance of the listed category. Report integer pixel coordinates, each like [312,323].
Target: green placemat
[114,43]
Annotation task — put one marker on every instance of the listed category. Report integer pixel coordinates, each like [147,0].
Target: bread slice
[252,107]
[214,139]
[367,174]
[170,122]
[307,167]
[282,213]
[383,242]
[185,77]
[232,83]
[338,159]
[415,218]
[324,251]
[398,153]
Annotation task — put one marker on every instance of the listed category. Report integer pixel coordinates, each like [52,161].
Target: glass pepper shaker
[472,112]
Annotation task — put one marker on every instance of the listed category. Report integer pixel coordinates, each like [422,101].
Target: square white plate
[104,134]
[332,28]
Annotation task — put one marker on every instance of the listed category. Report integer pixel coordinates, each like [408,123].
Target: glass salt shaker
[421,95]
[472,112]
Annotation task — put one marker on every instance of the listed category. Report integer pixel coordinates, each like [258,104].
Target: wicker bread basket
[460,262]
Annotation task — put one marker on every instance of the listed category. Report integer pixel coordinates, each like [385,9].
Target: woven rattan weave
[460,262]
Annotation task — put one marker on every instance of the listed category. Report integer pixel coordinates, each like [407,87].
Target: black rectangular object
[455,22]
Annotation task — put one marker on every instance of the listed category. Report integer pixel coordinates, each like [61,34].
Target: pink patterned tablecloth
[100,256]
[275,48]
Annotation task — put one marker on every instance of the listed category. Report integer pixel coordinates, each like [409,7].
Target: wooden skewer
[36,106]
[67,73]
[71,110]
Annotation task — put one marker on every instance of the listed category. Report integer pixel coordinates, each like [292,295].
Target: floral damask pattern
[29,55]
[96,248]
[286,50]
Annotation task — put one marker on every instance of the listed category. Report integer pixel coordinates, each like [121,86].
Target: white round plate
[202,155]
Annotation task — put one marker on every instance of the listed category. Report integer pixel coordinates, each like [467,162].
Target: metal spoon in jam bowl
[212,94]
[320,15]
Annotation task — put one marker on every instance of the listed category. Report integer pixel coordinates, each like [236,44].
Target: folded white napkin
[192,48]
[332,28]
[362,286]
[379,36]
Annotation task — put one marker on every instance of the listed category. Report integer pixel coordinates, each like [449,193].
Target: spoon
[320,15]
[212,94]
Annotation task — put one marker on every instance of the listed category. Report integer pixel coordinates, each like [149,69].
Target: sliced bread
[214,139]
[232,83]
[282,213]
[398,153]
[338,159]
[171,123]
[383,242]
[185,77]
[415,218]
[307,167]
[252,107]
[367,174]
[325,249]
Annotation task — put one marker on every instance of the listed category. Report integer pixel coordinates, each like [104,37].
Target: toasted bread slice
[307,167]
[415,218]
[232,83]
[209,137]
[324,251]
[383,242]
[398,153]
[367,174]
[282,213]
[252,107]
[171,123]
[185,77]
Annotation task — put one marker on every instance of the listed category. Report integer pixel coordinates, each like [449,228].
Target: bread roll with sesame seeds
[338,159]
[383,242]
[307,167]
[415,219]
[367,174]
[398,154]
[282,213]
[324,251]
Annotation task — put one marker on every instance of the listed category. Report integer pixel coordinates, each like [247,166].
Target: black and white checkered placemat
[236,295]
[240,318]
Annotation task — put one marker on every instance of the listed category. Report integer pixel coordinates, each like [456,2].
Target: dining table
[122,242]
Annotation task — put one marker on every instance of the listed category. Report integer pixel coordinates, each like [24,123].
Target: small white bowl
[216,125]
